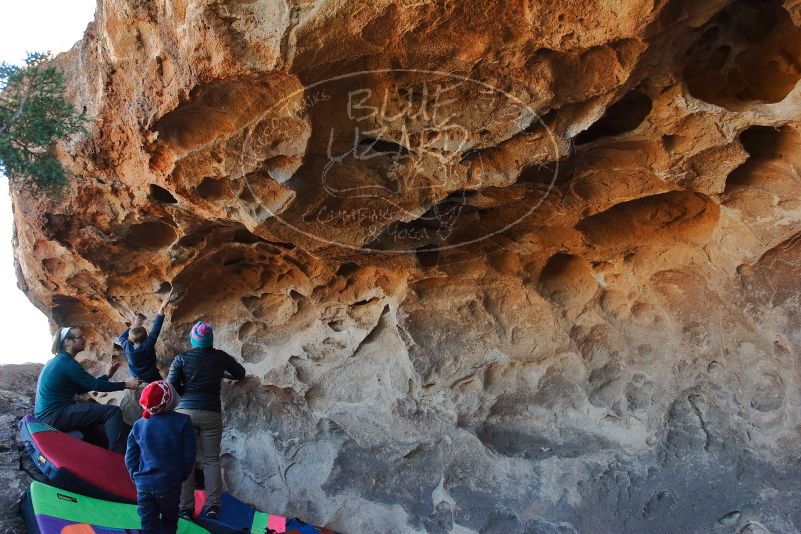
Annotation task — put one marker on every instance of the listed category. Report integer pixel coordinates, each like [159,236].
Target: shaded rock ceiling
[491,266]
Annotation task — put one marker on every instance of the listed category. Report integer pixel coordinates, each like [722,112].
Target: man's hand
[112,369]
[140,320]
[165,302]
[133,383]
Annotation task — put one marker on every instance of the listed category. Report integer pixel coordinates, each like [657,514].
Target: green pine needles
[33,116]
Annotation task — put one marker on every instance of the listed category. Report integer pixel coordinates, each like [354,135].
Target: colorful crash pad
[50,510]
[92,471]
[76,465]
[236,516]
[296,526]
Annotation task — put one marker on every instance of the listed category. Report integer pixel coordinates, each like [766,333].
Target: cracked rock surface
[520,267]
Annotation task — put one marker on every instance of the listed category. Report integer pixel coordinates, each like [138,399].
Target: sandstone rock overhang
[492,266]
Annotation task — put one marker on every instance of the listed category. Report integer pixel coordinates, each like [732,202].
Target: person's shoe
[213,512]
[186,514]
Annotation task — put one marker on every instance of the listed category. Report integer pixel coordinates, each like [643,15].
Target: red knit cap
[157,397]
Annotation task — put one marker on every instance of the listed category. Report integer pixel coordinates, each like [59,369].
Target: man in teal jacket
[62,378]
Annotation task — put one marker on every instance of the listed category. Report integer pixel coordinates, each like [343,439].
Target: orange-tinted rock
[491,266]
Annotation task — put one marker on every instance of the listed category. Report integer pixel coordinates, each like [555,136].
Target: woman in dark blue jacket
[197,375]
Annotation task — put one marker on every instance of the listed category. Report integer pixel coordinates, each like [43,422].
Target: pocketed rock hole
[212,189]
[214,110]
[372,146]
[750,52]
[150,234]
[567,278]
[164,287]
[669,217]
[191,240]
[67,310]
[623,116]
[245,237]
[428,256]
[773,156]
[159,194]
[761,141]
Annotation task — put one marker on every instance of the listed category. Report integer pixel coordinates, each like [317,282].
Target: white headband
[64,332]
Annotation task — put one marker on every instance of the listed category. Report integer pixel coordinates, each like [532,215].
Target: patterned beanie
[202,335]
[158,397]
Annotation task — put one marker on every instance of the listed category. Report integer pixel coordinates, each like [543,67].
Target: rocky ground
[17,386]
[491,266]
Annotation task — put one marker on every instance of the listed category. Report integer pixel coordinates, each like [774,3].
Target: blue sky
[33,25]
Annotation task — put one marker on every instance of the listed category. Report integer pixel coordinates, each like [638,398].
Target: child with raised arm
[140,348]
[160,456]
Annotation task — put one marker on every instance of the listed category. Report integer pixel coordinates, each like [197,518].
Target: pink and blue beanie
[202,335]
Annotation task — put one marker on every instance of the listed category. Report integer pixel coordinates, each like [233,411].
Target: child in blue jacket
[140,348]
[160,456]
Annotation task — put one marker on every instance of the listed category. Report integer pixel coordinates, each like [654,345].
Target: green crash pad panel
[52,510]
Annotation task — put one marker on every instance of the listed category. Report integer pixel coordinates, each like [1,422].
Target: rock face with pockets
[498,266]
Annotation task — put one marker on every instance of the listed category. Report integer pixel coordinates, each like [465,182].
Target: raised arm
[164,303]
[157,323]
[123,338]
[153,336]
